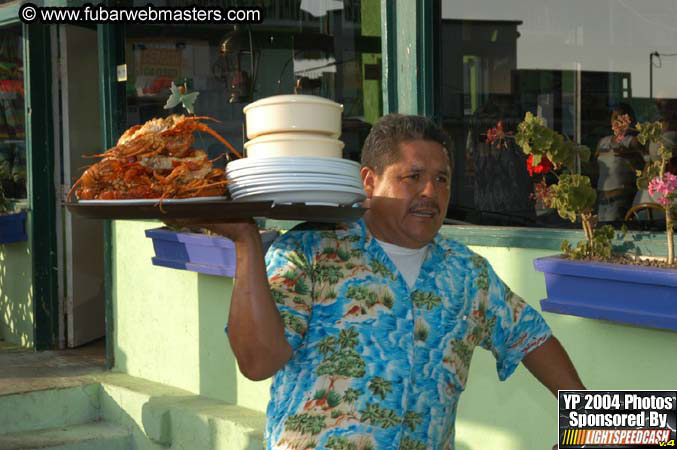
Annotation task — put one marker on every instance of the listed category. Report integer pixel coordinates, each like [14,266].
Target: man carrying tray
[368,328]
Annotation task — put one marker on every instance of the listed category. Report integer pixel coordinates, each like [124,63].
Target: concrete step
[50,408]
[88,436]
[156,417]
[162,416]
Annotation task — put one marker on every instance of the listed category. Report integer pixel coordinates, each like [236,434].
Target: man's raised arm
[255,327]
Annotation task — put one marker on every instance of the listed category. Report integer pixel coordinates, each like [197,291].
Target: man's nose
[428,188]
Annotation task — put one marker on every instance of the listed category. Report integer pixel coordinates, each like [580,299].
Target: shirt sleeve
[289,270]
[513,327]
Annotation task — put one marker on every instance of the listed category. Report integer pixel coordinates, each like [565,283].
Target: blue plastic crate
[13,227]
[213,255]
[636,295]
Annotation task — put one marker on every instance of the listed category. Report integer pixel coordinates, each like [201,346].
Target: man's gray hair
[382,146]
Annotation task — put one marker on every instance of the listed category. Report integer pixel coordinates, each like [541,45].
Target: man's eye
[415,176]
[442,179]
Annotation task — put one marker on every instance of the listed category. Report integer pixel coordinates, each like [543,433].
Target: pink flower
[661,189]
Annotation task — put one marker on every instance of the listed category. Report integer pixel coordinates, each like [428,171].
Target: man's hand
[234,230]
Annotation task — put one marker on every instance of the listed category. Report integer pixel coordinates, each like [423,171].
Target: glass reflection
[330,48]
[12,123]
[579,65]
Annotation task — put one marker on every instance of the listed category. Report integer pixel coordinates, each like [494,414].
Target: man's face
[408,201]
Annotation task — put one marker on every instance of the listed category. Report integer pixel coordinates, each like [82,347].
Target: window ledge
[641,242]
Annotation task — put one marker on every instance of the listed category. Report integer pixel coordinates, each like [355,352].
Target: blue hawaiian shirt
[377,365]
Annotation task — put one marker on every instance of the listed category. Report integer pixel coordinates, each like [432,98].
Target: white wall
[600,35]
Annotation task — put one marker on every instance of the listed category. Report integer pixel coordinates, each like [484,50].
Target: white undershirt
[407,260]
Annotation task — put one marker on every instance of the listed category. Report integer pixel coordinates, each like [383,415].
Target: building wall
[169,324]
[169,327]
[16,293]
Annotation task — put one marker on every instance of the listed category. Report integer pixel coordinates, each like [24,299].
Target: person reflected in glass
[667,110]
[618,156]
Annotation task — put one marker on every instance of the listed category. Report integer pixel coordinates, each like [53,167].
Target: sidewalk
[26,371]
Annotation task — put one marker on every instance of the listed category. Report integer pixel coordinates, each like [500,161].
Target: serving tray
[215,210]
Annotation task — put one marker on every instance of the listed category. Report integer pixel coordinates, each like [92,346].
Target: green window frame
[40,174]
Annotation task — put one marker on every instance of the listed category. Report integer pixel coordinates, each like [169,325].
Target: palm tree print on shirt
[412,419]
[376,415]
[381,269]
[425,300]
[366,299]
[380,387]
[411,444]
[482,280]
[342,443]
[421,330]
[294,277]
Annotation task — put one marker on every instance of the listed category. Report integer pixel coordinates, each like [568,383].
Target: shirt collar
[368,242]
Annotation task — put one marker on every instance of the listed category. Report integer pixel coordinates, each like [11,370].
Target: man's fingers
[232,229]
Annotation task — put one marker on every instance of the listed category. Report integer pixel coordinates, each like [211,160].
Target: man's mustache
[425,204]
[419,204]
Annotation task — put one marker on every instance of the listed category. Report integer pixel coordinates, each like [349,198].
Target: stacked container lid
[294,154]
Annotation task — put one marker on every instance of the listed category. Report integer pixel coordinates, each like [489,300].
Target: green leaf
[188,101]
[172,101]
[175,97]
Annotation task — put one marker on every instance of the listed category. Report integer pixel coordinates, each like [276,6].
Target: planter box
[636,295]
[13,228]
[213,255]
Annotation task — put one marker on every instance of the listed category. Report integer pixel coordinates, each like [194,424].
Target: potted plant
[661,183]
[588,279]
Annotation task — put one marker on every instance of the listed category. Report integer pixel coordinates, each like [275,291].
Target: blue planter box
[13,228]
[213,255]
[636,295]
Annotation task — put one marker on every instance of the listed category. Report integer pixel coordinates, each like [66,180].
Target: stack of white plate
[309,180]
[294,154]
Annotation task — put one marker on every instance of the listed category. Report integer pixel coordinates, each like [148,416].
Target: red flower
[497,135]
[544,167]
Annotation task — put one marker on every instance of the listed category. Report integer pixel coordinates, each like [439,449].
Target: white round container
[285,113]
[293,144]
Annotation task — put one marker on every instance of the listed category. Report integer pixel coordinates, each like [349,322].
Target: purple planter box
[13,228]
[637,295]
[213,255]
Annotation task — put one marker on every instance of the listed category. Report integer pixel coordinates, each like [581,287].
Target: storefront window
[572,63]
[12,124]
[330,49]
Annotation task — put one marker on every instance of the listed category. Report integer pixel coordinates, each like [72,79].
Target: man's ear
[368,176]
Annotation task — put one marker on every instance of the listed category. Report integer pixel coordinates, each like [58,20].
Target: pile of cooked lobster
[155,160]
